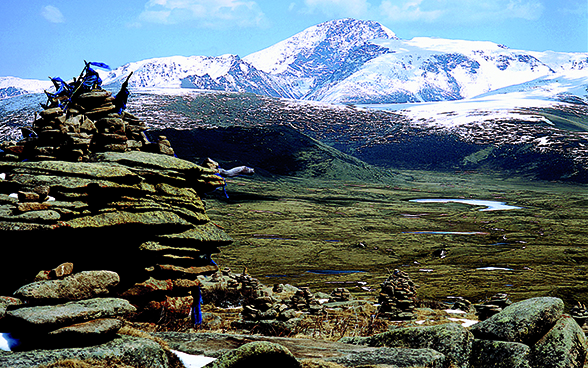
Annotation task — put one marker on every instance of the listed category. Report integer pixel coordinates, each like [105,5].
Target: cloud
[204,13]
[460,11]
[52,14]
[338,8]
[409,11]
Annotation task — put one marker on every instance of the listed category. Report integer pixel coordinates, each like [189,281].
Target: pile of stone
[243,282]
[580,314]
[397,297]
[138,214]
[66,310]
[495,305]
[340,295]
[305,301]
[91,123]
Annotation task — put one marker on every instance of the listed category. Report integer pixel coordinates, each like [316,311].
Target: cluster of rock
[397,297]
[71,310]
[91,123]
[533,333]
[136,213]
[495,305]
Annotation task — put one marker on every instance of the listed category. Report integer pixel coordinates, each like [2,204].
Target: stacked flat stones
[66,310]
[135,213]
[397,297]
[92,123]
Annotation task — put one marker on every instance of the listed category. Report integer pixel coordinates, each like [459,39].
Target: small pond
[490,205]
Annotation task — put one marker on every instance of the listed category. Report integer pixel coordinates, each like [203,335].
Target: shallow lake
[490,205]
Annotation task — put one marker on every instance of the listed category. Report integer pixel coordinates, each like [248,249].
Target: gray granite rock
[526,321]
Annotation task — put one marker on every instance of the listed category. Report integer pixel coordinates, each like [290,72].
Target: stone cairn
[85,176]
[397,297]
[580,314]
[305,301]
[91,123]
[340,295]
[495,305]
[64,310]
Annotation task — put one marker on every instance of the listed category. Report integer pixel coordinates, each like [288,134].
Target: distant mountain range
[356,61]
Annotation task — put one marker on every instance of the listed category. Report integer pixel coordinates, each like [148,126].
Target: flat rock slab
[83,285]
[47,318]
[99,326]
[393,357]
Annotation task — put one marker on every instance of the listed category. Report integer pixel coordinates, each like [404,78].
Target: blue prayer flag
[100,65]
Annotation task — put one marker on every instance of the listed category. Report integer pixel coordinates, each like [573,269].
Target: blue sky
[41,38]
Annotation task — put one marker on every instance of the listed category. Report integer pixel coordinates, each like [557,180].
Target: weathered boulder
[83,285]
[563,346]
[499,354]
[451,339]
[525,322]
[27,320]
[256,354]
[136,352]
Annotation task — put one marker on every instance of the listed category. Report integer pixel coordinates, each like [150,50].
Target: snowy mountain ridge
[356,61]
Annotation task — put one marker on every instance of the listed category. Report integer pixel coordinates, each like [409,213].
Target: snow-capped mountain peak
[329,40]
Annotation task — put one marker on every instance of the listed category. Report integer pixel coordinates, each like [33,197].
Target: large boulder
[452,340]
[256,354]
[564,346]
[525,322]
[83,285]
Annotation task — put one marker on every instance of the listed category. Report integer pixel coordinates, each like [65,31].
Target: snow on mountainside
[356,61]
[12,86]
[430,69]
[168,72]
[310,59]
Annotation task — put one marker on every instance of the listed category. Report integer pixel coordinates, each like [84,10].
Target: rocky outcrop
[451,340]
[133,351]
[135,213]
[524,322]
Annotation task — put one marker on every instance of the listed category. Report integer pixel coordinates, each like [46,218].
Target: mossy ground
[287,227]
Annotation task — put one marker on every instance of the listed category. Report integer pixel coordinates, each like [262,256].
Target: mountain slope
[270,150]
[12,86]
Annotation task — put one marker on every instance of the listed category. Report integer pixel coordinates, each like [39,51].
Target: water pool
[490,205]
